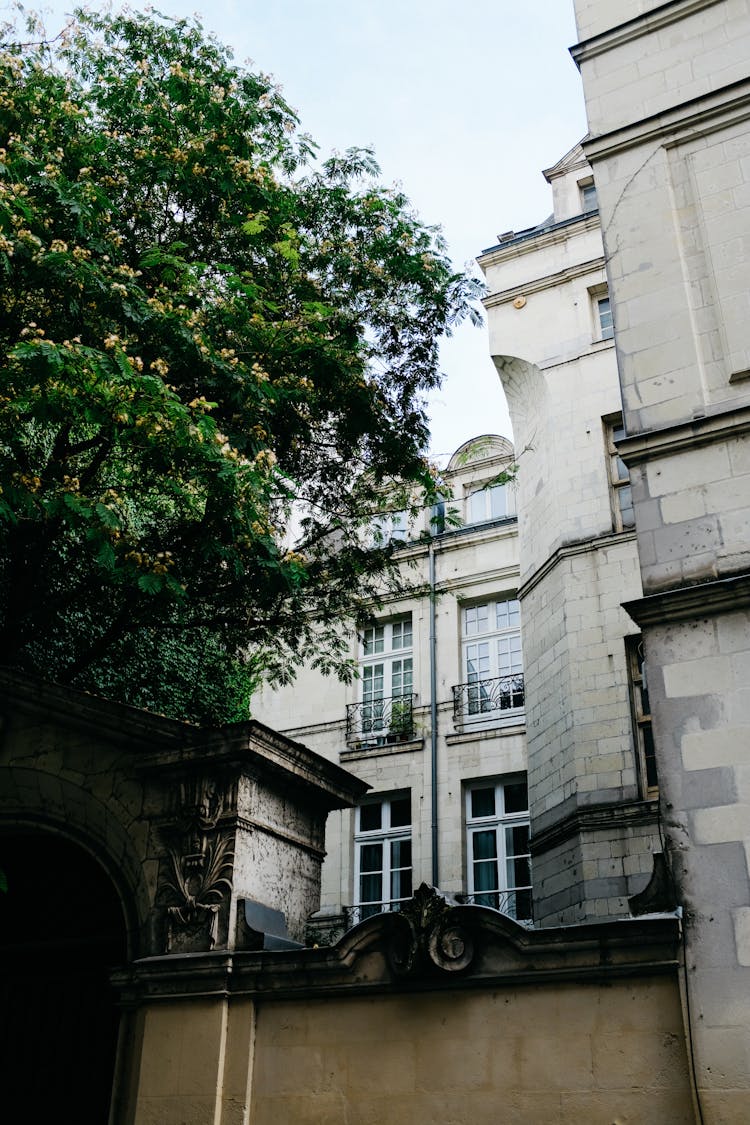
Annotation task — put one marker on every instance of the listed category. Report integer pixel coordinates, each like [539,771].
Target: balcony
[516,904]
[377,722]
[499,697]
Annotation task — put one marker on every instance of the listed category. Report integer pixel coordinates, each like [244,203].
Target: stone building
[668,101]
[435,720]
[592,782]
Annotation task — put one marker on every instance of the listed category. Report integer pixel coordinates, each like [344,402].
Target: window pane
[400,811]
[588,197]
[477,507]
[519,872]
[485,879]
[476,619]
[605,318]
[371,857]
[625,504]
[483,802]
[371,888]
[400,854]
[372,681]
[374,640]
[484,844]
[401,884]
[516,797]
[508,614]
[498,498]
[371,819]
[517,839]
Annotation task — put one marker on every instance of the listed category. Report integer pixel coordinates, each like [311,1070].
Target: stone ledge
[594,818]
[689,603]
[684,436]
[644,24]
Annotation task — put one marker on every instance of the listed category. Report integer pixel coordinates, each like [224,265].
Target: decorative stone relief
[428,933]
[197,876]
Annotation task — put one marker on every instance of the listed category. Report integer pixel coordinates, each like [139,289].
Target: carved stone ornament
[427,934]
[197,885]
[200,866]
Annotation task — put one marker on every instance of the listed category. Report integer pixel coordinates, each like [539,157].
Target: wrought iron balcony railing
[488,698]
[516,904]
[377,721]
[356,914]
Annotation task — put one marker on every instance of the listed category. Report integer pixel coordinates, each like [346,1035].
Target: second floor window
[387,671]
[493,662]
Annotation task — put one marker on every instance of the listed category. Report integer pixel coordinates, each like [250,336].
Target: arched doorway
[62,930]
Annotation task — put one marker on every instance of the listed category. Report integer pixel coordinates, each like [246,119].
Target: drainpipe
[433,716]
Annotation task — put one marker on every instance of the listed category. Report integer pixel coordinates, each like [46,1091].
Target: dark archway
[62,931]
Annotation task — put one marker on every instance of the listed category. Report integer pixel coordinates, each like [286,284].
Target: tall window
[493,662]
[494,502]
[382,844]
[641,712]
[387,679]
[604,315]
[499,861]
[623,516]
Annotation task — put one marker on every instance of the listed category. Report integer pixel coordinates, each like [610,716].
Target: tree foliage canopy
[213,354]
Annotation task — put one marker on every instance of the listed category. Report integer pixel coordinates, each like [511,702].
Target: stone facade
[593,815]
[448,748]
[666,89]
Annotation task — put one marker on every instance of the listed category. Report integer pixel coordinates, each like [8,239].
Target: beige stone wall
[529,1055]
[560,1054]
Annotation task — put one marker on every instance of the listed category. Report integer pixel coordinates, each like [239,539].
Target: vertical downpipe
[433,718]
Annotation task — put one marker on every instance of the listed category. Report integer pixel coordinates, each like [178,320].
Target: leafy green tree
[213,351]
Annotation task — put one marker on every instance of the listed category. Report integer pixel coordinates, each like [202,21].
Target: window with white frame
[493,663]
[498,856]
[387,672]
[605,325]
[382,861]
[623,516]
[491,502]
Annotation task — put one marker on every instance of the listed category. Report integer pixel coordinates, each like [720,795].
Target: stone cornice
[674,124]
[690,603]
[569,550]
[531,241]
[550,281]
[254,748]
[594,818]
[637,27]
[668,440]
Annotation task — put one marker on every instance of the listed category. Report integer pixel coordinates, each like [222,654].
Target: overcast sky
[463,104]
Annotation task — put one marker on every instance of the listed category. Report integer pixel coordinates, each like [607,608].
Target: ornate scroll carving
[428,933]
